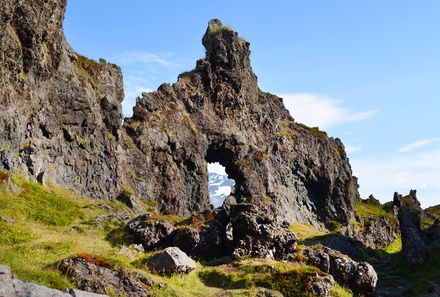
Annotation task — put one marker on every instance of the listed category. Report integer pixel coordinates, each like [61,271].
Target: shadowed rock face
[60,121]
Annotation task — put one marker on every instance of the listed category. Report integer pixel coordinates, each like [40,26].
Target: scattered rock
[359,277]
[93,275]
[10,286]
[149,232]
[322,285]
[409,214]
[171,260]
[126,252]
[7,220]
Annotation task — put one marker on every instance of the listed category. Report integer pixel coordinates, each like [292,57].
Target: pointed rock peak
[224,47]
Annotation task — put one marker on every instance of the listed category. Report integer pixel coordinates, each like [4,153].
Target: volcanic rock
[360,277]
[255,234]
[11,286]
[149,232]
[61,121]
[409,214]
[93,275]
[171,260]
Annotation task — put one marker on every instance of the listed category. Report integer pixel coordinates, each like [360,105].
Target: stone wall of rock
[60,121]
[60,113]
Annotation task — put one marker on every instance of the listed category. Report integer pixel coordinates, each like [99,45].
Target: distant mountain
[219,188]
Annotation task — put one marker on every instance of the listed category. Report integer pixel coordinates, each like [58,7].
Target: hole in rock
[219,185]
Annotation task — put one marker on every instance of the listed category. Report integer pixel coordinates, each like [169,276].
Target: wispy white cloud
[417,145]
[134,57]
[321,111]
[383,175]
[352,149]
[133,87]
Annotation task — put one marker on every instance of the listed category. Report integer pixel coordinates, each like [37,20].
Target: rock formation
[360,277]
[60,113]
[409,212]
[60,121]
[217,113]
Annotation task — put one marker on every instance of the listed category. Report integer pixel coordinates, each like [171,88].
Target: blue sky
[367,72]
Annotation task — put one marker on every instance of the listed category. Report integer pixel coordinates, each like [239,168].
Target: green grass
[365,210]
[339,291]
[394,247]
[303,231]
[434,210]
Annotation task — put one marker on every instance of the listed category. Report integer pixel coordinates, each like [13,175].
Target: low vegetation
[48,224]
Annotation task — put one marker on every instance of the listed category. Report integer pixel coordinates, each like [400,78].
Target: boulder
[149,232]
[171,260]
[257,235]
[11,286]
[322,285]
[94,275]
[360,277]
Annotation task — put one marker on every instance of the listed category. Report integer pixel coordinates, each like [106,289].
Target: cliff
[61,123]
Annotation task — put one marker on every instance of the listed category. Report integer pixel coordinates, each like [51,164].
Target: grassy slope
[51,224]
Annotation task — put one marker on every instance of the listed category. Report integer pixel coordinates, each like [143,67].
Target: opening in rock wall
[219,185]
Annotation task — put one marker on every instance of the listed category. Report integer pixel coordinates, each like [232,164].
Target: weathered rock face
[60,121]
[92,276]
[413,239]
[433,232]
[60,113]
[11,286]
[360,277]
[217,113]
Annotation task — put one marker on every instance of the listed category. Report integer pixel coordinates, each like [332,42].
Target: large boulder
[171,260]
[94,275]
[360,277]
[257,235]
[11,286]
[150,232]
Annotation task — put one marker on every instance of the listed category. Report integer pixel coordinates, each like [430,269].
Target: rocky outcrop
[216,113]
[360,277]
[433,232]
[322,286]
[377,232]
[171,260]
[151,233]
[94,275]
[60,113]
[256,235]
[243,229]
[11,286]
[60,121]
[409,212]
